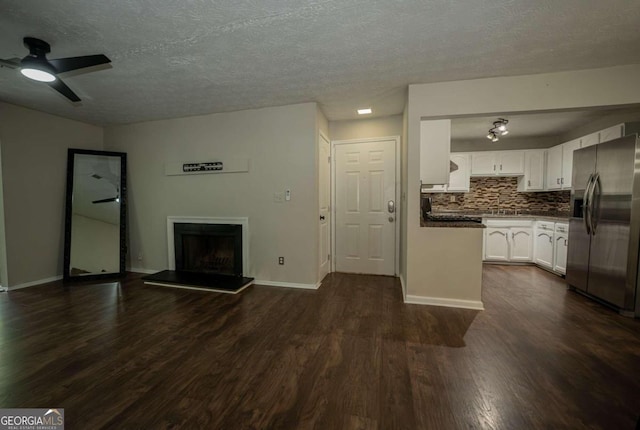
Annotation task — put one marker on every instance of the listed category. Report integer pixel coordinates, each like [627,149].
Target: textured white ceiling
[180,58]
[550,124]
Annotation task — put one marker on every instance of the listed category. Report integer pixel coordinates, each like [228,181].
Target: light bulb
[504,132]
[37,74]
[502,126]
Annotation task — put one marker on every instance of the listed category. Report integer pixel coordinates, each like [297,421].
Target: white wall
[366,128]
[615,86]
[281,145]
[34,163]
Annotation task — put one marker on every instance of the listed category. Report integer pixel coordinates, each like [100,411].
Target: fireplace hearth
[207,256]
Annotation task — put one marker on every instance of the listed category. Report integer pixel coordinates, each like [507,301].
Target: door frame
[398,199]
[322,135]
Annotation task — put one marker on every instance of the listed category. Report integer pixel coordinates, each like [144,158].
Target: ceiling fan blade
[11,63]
[74,63]
[109,200]
[63,89]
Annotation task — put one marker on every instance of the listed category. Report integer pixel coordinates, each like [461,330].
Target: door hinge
[329,257]
[329,159]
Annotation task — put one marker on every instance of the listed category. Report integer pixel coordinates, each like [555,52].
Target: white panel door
[365,193]
[324,180]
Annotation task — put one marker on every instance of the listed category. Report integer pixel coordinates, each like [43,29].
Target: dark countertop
[452,224]
[510,214]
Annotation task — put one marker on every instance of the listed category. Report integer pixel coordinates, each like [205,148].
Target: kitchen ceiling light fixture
[365,111]
[499,129]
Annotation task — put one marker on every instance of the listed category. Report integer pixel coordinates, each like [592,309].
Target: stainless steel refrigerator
[604,229]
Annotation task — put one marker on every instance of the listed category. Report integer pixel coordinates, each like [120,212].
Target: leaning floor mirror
[96,213]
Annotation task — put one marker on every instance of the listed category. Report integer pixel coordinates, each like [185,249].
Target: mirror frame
[72,152]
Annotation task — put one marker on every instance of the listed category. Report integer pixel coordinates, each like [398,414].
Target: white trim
[398,199]
[404,288]
[34,283]
[287,284]
[191,287]
[141,270]
[451,303]
[243,221]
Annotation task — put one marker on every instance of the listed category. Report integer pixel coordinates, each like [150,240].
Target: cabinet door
[459,179]
[435,143]
[511,163]
[611,133]
[567,161]
[496,244]
[590,140]
[544,247]
[554,167]
[483,163]
[521,244]
[560,262]
[534,170]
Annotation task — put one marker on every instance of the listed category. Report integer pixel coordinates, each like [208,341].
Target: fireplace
[206,254]
[208,248]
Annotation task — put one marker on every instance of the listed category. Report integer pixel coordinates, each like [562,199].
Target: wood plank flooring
[350,355]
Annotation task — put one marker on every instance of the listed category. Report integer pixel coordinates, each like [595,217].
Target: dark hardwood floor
[350,355]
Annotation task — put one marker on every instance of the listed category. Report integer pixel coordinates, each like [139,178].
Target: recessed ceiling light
[365,111]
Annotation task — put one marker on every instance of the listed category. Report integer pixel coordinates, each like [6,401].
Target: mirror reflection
[95,215]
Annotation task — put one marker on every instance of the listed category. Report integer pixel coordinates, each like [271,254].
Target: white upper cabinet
[483,163]
[534,172]
[554,168]
[435,144]
[611,133]
[459,179]
[497,163]
[510,163]
[590,140]
[567,162]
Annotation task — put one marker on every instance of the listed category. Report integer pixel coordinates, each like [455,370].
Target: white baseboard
[141,270]
[34,283]
[450,303]
[287,284]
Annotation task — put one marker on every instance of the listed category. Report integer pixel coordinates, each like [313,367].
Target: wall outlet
[281,261]
[140,256]
[287,195]
[452,199]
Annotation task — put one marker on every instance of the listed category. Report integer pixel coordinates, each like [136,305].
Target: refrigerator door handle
[585,205]
[593,221]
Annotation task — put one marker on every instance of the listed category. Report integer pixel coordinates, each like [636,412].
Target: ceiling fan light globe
[38,74]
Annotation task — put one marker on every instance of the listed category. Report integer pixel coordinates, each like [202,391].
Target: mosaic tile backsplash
[501,193]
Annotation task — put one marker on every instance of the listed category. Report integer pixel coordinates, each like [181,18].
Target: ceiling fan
[36,66]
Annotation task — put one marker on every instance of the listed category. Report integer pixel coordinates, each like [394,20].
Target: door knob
[321,217]
[390,219]
[391,206]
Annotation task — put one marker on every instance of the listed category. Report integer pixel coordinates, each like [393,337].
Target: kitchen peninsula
[445,245]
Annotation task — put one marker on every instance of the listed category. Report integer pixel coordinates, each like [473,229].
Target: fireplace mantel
[243,221]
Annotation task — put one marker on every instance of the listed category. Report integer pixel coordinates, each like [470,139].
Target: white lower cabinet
[508,240]
[560,241]
[544,244]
